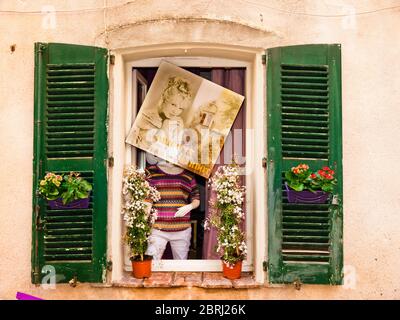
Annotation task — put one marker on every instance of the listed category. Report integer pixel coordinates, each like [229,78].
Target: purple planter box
[306,196]
[75,204]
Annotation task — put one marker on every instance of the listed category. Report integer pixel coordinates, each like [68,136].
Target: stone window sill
[208,280]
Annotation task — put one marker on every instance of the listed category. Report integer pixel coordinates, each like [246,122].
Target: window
[224,72]
[303,124]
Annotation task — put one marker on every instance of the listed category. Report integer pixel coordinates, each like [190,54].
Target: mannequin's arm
[182,211]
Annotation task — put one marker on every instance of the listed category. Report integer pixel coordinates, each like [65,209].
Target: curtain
[233,79]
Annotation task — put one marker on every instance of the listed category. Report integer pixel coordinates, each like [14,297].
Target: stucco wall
[371,91]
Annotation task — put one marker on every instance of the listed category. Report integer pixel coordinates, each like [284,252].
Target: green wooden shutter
[304,126]
[71,92]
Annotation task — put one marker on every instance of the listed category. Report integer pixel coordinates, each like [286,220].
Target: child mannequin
[179,195]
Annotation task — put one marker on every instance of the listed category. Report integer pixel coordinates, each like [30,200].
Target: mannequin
[179,195]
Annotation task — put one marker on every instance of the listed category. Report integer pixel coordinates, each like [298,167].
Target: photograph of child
[184,119]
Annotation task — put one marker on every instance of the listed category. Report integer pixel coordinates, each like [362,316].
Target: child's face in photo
[174,106]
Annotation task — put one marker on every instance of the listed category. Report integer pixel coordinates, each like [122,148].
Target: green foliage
[68,187]
[299,177]
[74,188]
[302,178]
[50,186]
[227,214]
[138,213]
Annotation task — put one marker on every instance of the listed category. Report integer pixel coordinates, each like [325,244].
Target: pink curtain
[233,79]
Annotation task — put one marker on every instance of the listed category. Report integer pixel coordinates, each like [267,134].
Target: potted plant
[68,191]
[304,186]
[139,216]
[227,216]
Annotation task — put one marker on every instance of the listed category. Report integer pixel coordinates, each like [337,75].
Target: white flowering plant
[227,214]
[137,210]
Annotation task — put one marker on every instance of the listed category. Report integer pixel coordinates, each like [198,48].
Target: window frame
[122,98]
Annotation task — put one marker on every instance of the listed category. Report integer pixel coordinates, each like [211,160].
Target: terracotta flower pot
[232,272]
[141,269]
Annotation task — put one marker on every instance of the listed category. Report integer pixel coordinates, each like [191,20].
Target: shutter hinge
[112,59]
[73,282]
[264,59]
[109,265]
[265,265]
[39,222]
[111,162]
[264,162]
[41,47]
[36,277]
[297,284]
[335,199]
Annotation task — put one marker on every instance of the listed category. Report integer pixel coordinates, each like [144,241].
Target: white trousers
[179,241]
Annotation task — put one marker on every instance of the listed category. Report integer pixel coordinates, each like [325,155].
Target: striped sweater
[176,191]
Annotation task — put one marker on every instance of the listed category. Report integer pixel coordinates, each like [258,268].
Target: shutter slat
[77,103]
[306,225]
[67,97]
[68,218]
[75,146]
[69,230]
[303,128]
[305,258]
[68,224]
[301,122]
[66,257]
[77,65]
[306,110]
[304,79]
[302,85]
[310,245]
[71,128]
[74,109]
[54,91]
[70,115]
[70,134]
[59,245]
[311,141]
[302,135]
[67,237]
[71,78]
[305,147]
[303,91]
[305,218]
[69,71]
[301,98]
[69,122]
[70,154]
[69,85]
[299,116]
[69,250]
[307,233]
[74,140]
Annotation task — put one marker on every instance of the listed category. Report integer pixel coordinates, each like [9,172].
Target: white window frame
[121,110]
